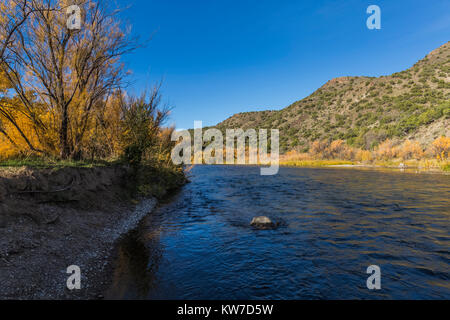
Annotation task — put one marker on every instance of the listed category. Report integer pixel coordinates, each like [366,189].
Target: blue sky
[218,58]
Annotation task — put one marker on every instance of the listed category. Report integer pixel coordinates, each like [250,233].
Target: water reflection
[336,223]
[138,256]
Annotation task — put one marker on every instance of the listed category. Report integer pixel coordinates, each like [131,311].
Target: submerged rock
[263,223]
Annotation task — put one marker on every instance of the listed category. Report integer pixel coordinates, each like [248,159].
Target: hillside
[412,104]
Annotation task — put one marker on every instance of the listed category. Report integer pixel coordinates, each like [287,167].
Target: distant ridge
[412,104]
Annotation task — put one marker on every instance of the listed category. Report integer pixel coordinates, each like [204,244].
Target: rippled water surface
[334,224]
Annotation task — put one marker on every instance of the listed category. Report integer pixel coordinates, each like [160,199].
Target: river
[334,223]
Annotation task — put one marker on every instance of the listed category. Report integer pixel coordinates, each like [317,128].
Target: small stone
[263,223]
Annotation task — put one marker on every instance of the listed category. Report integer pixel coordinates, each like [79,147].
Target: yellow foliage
[338,149]
[363,155]
[293,155]
[441,148]
[410,150]
[318,149]
[386,150]
[11,141]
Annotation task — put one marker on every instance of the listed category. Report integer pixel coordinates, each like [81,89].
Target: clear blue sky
[222,57]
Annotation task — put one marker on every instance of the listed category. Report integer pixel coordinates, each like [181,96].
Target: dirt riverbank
[54,218]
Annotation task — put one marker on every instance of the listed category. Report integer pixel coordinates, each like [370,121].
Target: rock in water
[262,223]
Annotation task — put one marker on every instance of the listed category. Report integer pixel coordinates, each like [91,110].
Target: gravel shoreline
[99,262]
[43,232]
[40,272]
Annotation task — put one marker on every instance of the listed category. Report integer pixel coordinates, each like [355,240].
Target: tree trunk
[63,139]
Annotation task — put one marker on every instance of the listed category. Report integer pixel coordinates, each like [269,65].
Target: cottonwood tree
[63,77]
[13,15]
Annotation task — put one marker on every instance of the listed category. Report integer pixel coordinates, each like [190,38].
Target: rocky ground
[51,219]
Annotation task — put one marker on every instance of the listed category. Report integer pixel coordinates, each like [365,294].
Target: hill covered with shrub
[365,111]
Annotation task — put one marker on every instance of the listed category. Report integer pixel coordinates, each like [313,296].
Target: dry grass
[409,154]
[315,163]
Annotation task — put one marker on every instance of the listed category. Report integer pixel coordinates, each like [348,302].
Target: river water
[334,224]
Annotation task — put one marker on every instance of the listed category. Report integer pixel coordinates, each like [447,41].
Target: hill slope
[412,104]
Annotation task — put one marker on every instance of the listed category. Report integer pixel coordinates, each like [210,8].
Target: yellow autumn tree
[62,78]
[441,148]
[386,150]
[410,150]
